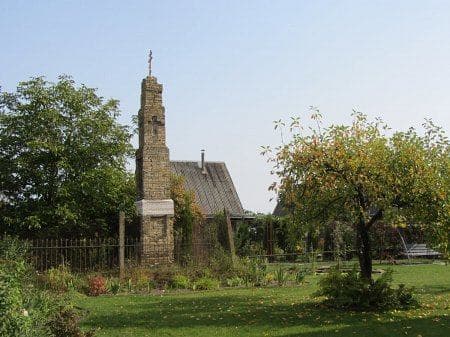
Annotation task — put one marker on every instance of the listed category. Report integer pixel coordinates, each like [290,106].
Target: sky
[230,68]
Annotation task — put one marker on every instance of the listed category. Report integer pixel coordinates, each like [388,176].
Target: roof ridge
[196,161]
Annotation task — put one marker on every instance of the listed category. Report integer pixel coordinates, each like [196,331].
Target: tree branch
[377,216]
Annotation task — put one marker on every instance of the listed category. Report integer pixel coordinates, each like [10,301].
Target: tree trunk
[364,251]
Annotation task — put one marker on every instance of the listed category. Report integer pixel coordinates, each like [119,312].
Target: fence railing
[81,254]
[347,257]
[103,253]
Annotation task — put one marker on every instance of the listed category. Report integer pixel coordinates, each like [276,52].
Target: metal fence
[347,258]
[103,253]
[81,254]
[85,254]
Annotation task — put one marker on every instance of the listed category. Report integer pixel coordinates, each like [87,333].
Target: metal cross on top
[150,58]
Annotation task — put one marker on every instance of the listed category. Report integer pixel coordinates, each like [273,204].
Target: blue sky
[230,68]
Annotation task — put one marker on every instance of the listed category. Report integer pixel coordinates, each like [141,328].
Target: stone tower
[155,208]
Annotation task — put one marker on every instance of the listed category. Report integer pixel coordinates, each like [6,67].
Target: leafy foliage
[114,286]
[25,309]
[180,282]
[351,291]
[62,162]
[206,283]
[281,276]
[97,285]
[253,270]
[187,215]
[59,279]
[360,175]
[250,237]
[300,276]
[235,281]
[66,324]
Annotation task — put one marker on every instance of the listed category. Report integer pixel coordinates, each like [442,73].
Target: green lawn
[287,311]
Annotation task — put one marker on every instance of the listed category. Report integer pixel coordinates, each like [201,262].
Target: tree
[360,175]
[62,163]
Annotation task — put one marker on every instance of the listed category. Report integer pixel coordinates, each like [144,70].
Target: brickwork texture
[153,174]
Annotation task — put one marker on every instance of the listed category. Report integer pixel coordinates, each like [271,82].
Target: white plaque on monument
[155,207]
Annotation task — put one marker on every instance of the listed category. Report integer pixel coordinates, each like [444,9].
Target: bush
[206,283]
[405,297]
[300,276]
[140,277]
[114,286]
[129,285]
[253,271]
[162,275]
[151,285]
[23,310]
[351,291]
[14,313]
[97,285]
[180,282]
[269,278]
[66,324]
[27,310]
[235,281]
[221,264]
[59,279]
[281,276]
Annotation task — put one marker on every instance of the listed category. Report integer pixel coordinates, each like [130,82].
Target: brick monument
[155,208]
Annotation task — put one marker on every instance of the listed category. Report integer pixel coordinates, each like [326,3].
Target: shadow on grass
[434,289]
[254,314]
[426,327]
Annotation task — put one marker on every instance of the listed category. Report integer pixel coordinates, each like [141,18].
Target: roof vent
[203,166]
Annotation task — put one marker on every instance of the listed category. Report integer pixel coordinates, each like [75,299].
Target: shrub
[14,319]
[235,281]
[66,324]
[114,286]
[281,276]
[129,285]
[162,275]
[206,283]
[300,276]
[269,278]
[221,264]
[180,282]
[140,277]
[254,271]
[59,279]
[97,285]
[351,291]
[151,285]
[27,310]
[23,310]
[405,297]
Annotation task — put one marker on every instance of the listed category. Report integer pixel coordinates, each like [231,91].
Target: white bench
[420,250]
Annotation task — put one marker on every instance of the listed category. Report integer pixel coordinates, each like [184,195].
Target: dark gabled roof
[214,190]
[279,209]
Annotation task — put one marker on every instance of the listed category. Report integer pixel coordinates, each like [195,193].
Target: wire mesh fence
[323,259]
[81,254]
[89,254]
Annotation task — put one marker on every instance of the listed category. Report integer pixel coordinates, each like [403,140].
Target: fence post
[121,244]
[269,240]
[230,236]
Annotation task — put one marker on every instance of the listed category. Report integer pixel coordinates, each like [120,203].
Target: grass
[286,311]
